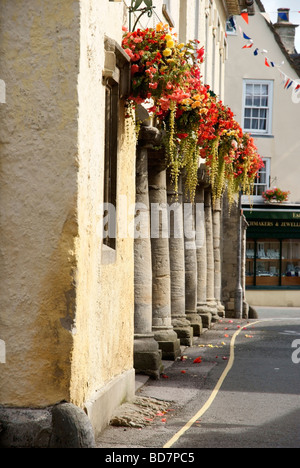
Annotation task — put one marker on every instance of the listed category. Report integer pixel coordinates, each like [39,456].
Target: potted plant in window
[275,195]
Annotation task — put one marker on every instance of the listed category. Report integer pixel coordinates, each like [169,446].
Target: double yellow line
[215,392]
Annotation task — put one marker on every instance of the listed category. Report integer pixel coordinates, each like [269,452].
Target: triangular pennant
[246,37]
[248,46]
[283,77]
[266,62]
[290,84]
[245,16]
[256,52]
[288,80]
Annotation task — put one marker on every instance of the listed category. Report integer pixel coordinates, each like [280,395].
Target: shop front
[273,254]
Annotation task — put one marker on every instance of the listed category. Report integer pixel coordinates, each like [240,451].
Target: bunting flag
[248,46]
[286,81]
[246,37]
[245,16]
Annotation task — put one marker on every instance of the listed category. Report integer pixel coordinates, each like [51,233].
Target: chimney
[286,30]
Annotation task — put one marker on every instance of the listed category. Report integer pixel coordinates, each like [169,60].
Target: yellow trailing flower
[167,52]
[170,44]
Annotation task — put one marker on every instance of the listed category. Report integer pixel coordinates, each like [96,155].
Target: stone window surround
[116,74]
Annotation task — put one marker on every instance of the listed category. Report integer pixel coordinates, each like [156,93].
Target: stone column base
[183,329]
[211,303]
[147,356]
[195,321]
[206,316]
[61,426]
[221,310]
[168,342]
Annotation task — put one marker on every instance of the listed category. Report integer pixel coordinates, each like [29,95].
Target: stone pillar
[202,308]
[191,268]
[147,356]
[217,256]
[177,268]
[161,280]
[244,247]
[238,297]
[210,292]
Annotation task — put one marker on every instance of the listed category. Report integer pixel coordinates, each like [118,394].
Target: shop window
[273,262]
[291,262]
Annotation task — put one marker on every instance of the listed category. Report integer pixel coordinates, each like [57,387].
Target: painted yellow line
[215,392]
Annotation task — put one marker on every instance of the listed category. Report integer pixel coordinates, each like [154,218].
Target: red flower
[134,69]
[182,136]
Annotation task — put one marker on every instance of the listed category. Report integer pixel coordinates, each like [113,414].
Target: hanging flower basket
[195,122]
[275,195]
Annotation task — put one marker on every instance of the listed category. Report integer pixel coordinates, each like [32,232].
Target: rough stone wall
[66,319]
[38,184]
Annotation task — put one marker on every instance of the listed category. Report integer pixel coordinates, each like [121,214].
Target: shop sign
[275,223]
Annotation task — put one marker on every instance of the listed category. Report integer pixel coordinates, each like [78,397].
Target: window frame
[116,79]
[267,163]
[258,198]
[269,107]
[111,162]
[230,29]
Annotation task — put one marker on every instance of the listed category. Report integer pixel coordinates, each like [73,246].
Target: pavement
[236,384]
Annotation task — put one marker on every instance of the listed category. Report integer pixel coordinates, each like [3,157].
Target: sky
[271,7]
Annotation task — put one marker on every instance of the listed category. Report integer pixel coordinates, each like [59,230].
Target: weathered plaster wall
[104,321]
[39,52]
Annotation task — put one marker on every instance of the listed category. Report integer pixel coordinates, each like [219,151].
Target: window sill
[259,135]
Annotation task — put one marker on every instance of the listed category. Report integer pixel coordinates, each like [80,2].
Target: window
[231,26]
[262,182]
[258,98]
[110,162]
[116,79]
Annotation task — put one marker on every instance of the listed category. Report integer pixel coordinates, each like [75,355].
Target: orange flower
[160,27]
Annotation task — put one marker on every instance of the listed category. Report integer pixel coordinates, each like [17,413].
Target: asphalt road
[257,405]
